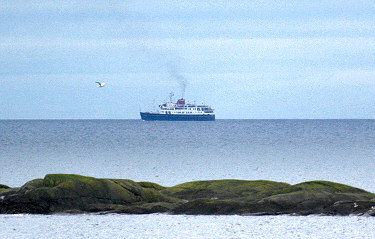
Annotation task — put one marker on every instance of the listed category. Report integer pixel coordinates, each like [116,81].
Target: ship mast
[170,96]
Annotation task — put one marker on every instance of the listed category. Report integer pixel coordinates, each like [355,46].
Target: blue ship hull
[173,117]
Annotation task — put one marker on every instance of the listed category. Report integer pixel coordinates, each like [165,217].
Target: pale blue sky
[247,59]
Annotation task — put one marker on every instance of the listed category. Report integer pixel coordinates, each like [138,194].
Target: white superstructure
[180,111]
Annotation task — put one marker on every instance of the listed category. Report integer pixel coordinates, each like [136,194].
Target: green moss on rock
[151,185]
[224,189]
[53,180]
[2,186]
[33,184]
[315,197]
[76,193]
[328,187]
[95,190]
[118,191]
[320,186]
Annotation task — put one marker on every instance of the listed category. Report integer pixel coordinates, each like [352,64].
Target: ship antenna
[170,96]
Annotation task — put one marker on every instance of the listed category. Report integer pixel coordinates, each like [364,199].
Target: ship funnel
[181,101]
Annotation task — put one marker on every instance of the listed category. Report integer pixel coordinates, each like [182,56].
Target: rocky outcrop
[2,186]
[66,193]
[58,193]
[272,198]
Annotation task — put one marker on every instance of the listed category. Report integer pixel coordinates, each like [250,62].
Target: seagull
[100,84]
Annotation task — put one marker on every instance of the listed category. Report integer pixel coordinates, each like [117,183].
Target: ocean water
[182,226]
[170,153]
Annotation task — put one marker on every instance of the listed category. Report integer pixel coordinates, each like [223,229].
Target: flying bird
[100,84]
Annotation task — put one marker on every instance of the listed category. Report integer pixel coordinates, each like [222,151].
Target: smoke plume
[181,80]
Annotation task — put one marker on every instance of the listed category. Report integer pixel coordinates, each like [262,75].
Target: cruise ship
[180,111]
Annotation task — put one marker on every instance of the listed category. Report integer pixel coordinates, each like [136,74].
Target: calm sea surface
[170,153]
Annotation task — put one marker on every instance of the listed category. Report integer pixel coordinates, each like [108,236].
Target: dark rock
[209,207]
[67,193]
[62,192]
[2,186]
[270,198]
